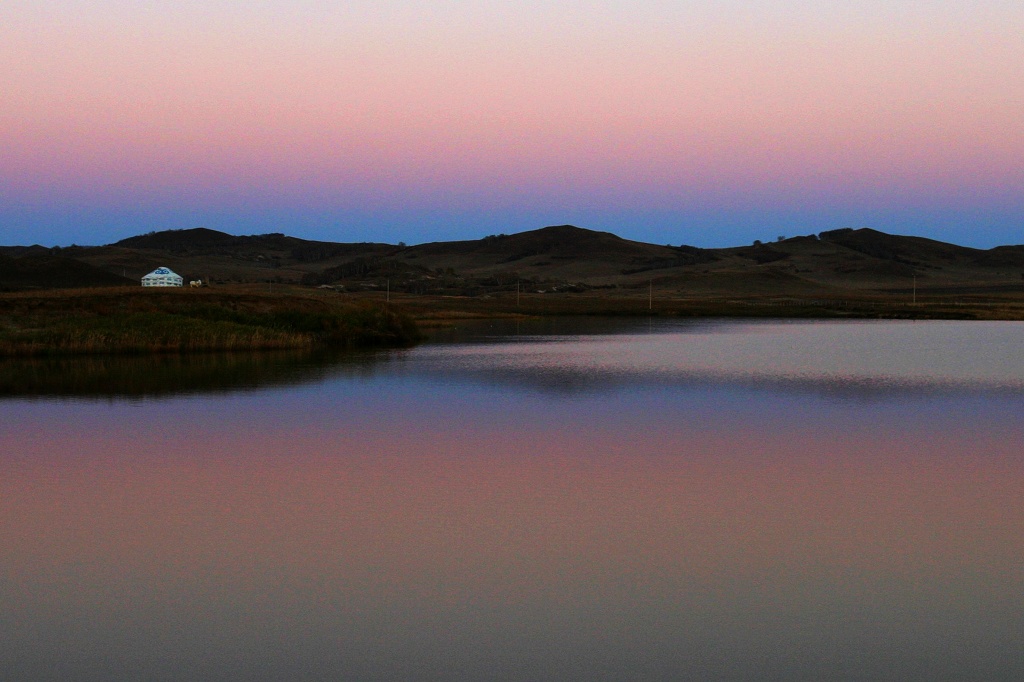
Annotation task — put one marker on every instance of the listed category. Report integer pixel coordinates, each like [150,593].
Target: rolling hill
[43,270]
[555,258]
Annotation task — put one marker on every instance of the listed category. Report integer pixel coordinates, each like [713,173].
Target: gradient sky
[674,122]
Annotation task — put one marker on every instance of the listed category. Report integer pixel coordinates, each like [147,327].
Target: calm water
[564,500]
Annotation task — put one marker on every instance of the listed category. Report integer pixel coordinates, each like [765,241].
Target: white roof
[162,272]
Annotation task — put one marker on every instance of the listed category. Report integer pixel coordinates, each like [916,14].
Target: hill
[210,255]
[196,239]
[43,270]
[556,252]
[560,258]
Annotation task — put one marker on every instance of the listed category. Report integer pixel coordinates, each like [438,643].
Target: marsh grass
[434,311]
[131,321]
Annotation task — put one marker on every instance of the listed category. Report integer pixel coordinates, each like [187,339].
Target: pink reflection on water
[379,534]
[446,525]
[521,517]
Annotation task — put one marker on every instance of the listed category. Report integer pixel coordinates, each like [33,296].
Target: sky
[677,122]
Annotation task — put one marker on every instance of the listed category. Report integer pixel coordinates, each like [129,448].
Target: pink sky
[390,121]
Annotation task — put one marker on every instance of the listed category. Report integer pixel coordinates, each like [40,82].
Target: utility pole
[915,289]
[517,293]
[650,294]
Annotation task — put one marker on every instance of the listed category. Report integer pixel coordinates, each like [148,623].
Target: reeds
[134,323]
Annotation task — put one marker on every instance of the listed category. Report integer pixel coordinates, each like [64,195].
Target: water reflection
[423,530]
[166,375]
[413,517]
[853,359]
[566,356]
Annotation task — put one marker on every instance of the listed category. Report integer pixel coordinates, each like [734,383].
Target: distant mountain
[559,251]
[18,251]
[866,259]
[48,271]
[558,241]
[203,241]
[181,240]
[554,258]
[215,256]
[907,250]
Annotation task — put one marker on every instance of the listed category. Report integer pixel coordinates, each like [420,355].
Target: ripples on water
[970,356]
[658,501]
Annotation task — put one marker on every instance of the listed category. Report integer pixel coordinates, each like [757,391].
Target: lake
[548,500]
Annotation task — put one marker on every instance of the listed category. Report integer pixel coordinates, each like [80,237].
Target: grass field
[436,310]
[262,317]
[135,320]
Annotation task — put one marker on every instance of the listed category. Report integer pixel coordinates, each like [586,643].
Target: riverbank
[440,310]
[135,320]
[131,320]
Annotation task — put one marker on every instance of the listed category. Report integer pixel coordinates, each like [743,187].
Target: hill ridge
[555,257]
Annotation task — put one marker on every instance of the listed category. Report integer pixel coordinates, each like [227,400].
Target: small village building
[162,277]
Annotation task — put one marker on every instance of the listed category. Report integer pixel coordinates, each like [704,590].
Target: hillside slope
[557,252]
[48,271]
[554,258]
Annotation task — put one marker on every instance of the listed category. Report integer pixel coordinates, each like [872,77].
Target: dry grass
[181,321]
[435,310]
[258,317]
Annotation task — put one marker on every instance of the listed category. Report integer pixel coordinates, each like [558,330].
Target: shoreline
[432,311]
[137,321]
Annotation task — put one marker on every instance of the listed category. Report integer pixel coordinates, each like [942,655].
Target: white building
[162,277]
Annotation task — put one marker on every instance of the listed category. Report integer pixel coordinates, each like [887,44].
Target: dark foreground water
[607,500]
